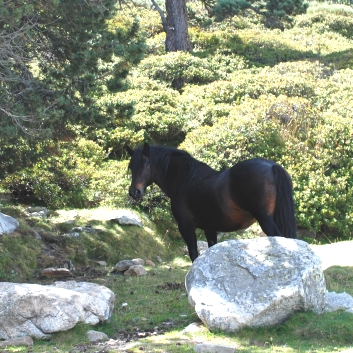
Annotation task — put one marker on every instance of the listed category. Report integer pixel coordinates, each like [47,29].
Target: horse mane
[163,156]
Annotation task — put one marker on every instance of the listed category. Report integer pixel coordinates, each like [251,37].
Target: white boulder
[38,310]
[255,282]
[339,301]
[127,217]
[8,224]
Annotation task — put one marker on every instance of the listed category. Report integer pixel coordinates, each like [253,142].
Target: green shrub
[323,180]
[156,113]
[109,185]
[315,148]
[334,94]
[248,131]
[339,7]
[117,138]
[156,44]
[149,20]
[62,179]
[198,16]
[258,46]
[177,68]
[205,104]
[327,21]
[148,111]
[253,84]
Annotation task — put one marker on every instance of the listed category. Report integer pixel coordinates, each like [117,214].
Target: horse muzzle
[137,193]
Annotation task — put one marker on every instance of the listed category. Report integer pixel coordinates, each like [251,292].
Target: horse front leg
[211,236]
[187,231]
[186,225]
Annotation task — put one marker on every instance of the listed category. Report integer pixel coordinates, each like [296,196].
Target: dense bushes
[75,175]
[324,18]
[244,92]
[316,150]
[178,68]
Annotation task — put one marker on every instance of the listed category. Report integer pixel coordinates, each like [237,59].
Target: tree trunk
[176,27]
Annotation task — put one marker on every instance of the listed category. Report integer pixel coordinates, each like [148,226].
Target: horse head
[140,169]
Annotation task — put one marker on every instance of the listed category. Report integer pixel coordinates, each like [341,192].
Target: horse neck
[180,171]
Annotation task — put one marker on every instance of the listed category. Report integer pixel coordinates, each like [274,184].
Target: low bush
[177,68]
[255,82]
[334,93]
[328,21]
[258,46]
[148,111]
[61,179]
[156,113]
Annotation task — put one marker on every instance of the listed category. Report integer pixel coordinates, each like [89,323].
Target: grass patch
[158,302]
[339,279]
[153,310]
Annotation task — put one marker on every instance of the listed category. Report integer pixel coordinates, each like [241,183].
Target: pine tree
[175,21]
[56,56]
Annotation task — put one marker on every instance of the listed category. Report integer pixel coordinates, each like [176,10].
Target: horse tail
[284,216]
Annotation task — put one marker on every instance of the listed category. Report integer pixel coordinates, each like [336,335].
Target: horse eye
[146,165]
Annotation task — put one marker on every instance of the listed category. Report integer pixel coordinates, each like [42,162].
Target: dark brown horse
[255,189]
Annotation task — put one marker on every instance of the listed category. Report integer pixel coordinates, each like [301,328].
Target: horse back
[252,184]
[228,200]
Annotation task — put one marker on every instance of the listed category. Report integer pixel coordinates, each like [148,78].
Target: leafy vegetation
[245,91]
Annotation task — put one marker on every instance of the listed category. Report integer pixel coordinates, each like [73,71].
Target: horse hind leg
[211,236]
[268,225]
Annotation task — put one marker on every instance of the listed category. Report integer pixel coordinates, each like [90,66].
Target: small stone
[193,327]
[22,341]
[212,348]
[40,212]
[338,301]
[124,265]
[127,217]
[87,229]
[139,261]
[94,336]
[72,235]
[56,272]
[158,259]
[136,270]
[101,263]
[8,224]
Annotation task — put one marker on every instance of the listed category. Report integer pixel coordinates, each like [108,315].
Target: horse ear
[130,151]
[146,150]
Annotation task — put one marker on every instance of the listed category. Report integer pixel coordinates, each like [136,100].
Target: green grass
[151,304]
[156,302]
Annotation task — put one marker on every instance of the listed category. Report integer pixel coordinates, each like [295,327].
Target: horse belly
[214,209]
[225,219]
[236,218]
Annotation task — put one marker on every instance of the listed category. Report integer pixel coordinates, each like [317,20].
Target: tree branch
[161,13]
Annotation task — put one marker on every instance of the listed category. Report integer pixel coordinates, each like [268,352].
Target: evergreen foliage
[246,91]
[273,11]
[58,57]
